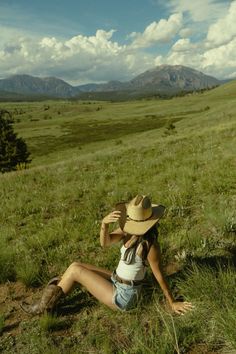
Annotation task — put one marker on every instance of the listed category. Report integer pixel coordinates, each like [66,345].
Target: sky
[84,41]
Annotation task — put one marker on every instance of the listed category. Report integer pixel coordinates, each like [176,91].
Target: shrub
[13,151]
[118,142]
[170,129]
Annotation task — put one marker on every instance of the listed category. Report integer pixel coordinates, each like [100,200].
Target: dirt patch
[11,295]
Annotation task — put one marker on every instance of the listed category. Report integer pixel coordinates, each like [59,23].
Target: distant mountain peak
[160,79]
[28,85]
[175,77]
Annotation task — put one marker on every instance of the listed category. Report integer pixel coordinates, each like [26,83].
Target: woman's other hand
[112,217]
[181,308]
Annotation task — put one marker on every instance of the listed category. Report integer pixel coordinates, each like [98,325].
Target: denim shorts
[125,296]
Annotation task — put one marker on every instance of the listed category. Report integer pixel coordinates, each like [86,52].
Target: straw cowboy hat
[139,215]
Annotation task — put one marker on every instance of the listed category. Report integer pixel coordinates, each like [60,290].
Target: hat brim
[139,227]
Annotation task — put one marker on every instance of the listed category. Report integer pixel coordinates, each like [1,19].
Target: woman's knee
[75,264]
[75,268]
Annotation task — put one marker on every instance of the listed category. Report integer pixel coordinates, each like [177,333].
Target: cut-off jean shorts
[125,296]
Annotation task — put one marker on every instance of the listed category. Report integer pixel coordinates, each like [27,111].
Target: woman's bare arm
[154,259]
[107,238]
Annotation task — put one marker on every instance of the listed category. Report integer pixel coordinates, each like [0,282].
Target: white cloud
[224,30]
[11,35]
[216,53]
[162,31]
[186,32]
[201,10]
[221,58]
[79,59]
[232,75]
[183,45]
[219,62]
[185,58]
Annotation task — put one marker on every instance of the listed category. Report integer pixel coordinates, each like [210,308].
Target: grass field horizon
[86,156]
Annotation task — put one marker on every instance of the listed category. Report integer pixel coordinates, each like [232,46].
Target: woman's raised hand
[112,217]
[181,308]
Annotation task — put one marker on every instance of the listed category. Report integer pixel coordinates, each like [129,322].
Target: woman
[119,289]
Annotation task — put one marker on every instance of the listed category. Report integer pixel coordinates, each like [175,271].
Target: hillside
[86,157]
[10,96]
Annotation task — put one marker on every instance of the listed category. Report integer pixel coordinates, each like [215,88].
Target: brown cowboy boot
[50,297]
[54,281]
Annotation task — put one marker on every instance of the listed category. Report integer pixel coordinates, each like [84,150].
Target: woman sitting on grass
[119,289]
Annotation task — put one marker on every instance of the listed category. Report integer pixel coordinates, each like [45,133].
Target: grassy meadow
[86,156]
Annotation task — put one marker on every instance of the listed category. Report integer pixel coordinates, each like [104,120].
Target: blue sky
[84,41]
[68,18]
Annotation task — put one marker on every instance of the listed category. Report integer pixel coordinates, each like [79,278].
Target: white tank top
[134,271]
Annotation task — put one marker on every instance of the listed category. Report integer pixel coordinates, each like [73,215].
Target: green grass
[50,323]
[84,161]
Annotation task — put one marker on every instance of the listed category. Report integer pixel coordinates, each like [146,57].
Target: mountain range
[164,79]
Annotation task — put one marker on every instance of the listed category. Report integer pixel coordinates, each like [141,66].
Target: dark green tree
[14,153]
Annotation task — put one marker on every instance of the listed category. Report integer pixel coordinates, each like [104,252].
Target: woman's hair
[146,241]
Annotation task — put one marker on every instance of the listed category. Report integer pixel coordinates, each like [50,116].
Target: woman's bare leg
[94,279]
[101,271]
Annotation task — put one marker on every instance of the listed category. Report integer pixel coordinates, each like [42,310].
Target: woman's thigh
[98,270]
[96,284]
